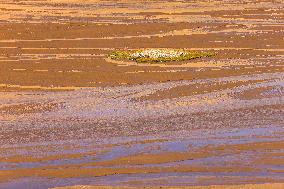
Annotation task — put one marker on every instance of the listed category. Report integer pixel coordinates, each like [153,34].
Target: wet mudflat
[71,116]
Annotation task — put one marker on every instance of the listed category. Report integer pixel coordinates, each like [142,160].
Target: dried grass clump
[158,55]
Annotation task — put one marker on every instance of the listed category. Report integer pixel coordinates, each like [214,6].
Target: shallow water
[187,142]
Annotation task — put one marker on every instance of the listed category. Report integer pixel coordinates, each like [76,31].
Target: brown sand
[58,87]
[247,186]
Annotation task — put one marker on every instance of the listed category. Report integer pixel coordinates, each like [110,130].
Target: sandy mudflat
[247,186]
[71,116]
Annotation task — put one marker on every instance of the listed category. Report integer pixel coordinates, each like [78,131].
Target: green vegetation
[158,55]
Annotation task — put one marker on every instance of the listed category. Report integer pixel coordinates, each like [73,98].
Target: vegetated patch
[158,55]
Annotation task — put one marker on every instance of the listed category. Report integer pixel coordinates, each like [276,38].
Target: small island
[156,55]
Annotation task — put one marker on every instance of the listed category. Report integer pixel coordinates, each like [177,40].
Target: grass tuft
[158,55]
